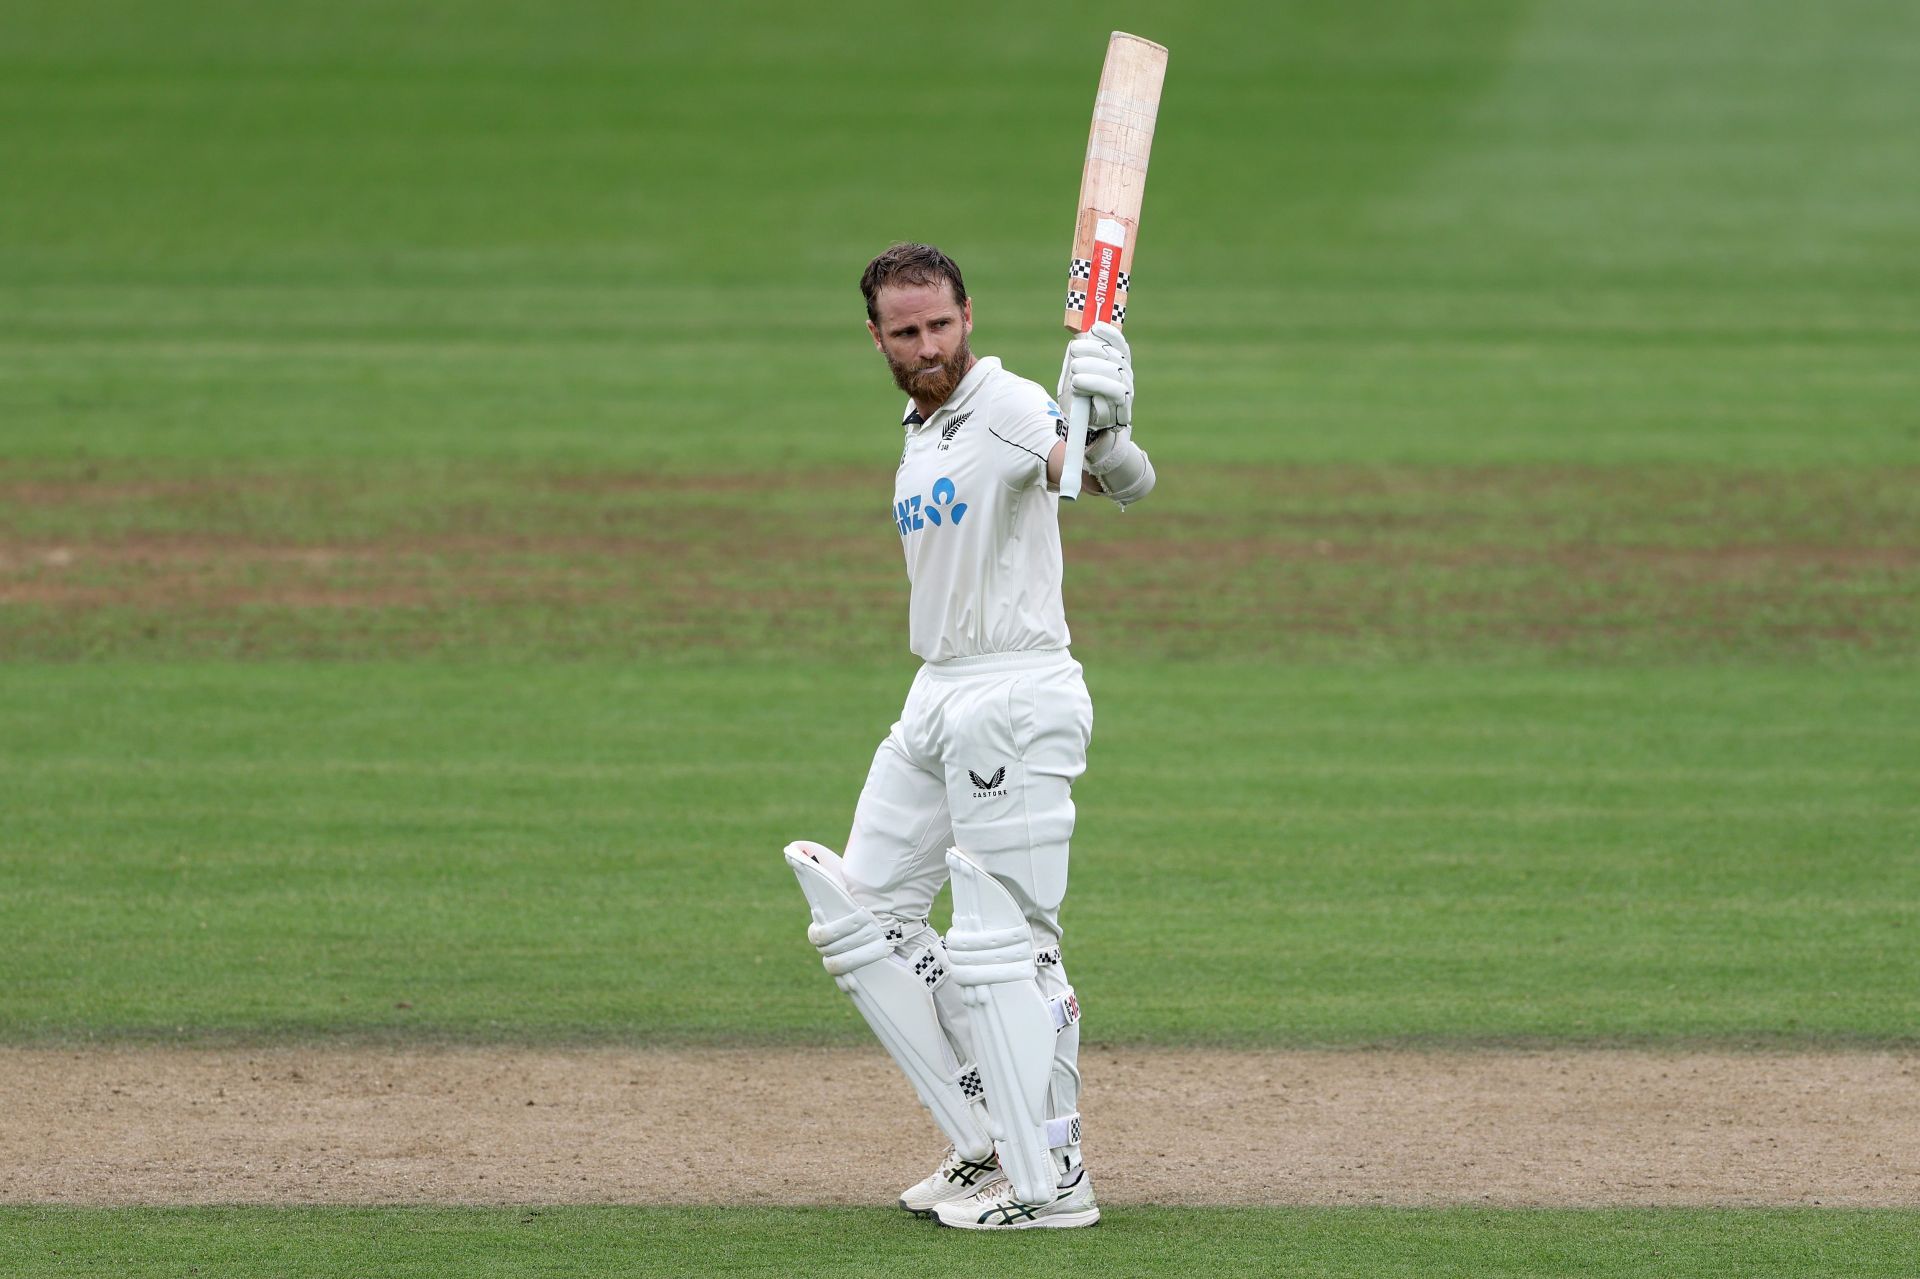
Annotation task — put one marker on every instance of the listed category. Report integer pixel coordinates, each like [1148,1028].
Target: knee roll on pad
[982,957]
[894,995]
[849,943]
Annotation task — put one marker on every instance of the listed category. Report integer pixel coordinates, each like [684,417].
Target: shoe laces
[997,1189]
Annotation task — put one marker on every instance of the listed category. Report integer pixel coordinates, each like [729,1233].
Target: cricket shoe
[953,1180]
[998,1208]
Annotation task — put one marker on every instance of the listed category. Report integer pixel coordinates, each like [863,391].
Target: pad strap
[1065,1009]
[1064,1131]
[930,966]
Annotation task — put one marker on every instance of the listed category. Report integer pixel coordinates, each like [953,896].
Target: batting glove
[1098,365]
[1123,468]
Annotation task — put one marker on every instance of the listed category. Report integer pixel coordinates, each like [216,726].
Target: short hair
[910,264]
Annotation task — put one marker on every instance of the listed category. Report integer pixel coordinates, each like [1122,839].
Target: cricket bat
[1111,187]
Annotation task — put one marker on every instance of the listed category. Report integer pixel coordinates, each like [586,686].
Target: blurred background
[444,545]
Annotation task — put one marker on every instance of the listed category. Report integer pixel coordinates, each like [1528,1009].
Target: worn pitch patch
[731,1126]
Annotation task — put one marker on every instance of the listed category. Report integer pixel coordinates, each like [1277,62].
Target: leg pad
[1014,1025]
[895,999]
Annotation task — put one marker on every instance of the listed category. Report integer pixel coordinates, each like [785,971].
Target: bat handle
[1079,416]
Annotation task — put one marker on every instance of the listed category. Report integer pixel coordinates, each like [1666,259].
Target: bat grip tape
[1079,417]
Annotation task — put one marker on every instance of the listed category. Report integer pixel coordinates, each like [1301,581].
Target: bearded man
[974,783]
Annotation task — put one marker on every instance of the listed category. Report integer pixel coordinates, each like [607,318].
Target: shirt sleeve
[1027,428]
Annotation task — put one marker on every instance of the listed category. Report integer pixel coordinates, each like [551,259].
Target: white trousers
[983,757]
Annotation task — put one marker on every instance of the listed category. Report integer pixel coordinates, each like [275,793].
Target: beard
[932,383]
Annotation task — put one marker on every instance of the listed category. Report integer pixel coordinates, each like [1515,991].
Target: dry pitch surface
[811,1126]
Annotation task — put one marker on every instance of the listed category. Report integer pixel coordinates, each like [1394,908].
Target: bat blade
[1112,186]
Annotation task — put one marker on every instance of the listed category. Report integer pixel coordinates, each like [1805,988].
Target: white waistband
[1026,660]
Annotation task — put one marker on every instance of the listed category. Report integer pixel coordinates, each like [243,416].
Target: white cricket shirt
[980,529]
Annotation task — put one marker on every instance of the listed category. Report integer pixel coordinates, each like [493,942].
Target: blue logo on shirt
[939,508]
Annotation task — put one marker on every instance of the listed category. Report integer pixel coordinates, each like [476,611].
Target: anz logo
[940,508]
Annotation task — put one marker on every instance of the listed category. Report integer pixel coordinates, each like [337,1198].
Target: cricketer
[974,783]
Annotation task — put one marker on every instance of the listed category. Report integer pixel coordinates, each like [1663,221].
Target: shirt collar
[983,368]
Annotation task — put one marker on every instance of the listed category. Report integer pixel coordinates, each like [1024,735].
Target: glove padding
[1098,365]
[1106,450]
[1124,470]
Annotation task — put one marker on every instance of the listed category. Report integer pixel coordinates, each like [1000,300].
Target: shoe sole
[933,1208]
[1058,1221]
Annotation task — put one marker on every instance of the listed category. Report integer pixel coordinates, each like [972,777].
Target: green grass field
[442,559]
[775,1243]
[1344,856]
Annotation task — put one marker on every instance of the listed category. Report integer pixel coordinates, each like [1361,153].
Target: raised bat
[1111,187]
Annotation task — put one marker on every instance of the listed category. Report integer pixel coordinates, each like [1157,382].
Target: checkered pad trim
[1082,269]
[970,1086]
[929,969]
[1048,957]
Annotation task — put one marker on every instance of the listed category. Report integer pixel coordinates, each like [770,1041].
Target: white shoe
[998,1208]
[955,1179]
